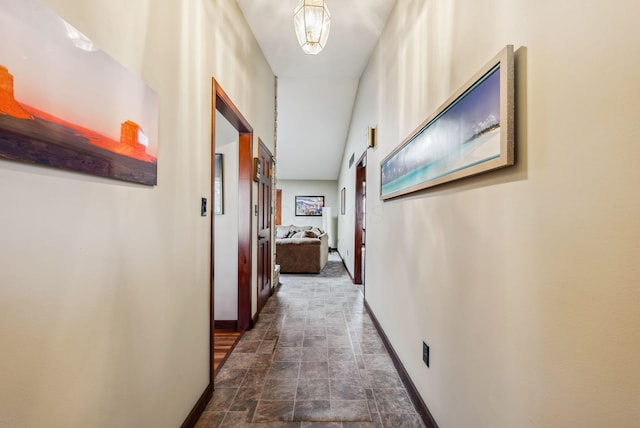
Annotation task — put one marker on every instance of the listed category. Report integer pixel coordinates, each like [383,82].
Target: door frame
[278,216]
[222,103]
[359,238]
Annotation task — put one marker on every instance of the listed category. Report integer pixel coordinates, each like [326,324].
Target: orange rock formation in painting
[8,104]
[129,132]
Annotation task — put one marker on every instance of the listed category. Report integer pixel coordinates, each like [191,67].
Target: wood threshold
[225,325]
[417,400]
[225,342]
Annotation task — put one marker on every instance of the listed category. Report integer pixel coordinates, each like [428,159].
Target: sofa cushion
[282,232]
[310,234]
[298,232]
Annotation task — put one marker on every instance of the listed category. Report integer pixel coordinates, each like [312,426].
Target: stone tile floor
[314,359]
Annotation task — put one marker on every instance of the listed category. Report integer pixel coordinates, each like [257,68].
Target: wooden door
[264,169]
[278,207]
[359,238]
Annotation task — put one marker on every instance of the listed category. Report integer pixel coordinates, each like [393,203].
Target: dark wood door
[264,169]
[359,238]
[278,207]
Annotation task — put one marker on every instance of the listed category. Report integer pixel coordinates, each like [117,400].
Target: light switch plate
[203,207]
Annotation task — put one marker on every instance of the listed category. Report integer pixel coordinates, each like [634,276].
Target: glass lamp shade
[312,21]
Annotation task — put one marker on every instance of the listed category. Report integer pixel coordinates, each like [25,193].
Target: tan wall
[104,286]
[525,281]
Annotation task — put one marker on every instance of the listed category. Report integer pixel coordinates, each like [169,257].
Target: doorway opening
[223,104]
[225,210]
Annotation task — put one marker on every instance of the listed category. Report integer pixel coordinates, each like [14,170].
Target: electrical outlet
[425,353]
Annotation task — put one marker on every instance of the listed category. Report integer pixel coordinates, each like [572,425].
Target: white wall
[356,146]
[330,99]
[104,297]
[524,281]
[226,226]
[293,188]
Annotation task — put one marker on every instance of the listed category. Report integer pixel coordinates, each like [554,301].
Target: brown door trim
[222,103]
[359,239]
[245,217]
[278,207]
[228,109]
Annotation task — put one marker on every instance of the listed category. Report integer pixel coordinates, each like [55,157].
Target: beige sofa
[301,249]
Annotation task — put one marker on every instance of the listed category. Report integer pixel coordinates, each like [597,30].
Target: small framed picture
[309,205]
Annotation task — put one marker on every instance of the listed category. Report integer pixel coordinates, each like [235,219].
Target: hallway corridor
[314,359]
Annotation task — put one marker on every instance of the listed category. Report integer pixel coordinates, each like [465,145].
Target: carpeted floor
[314,359]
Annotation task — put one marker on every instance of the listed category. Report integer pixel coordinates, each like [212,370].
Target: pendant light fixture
[312,22]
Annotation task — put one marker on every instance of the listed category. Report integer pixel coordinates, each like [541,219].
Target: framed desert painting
[64,103]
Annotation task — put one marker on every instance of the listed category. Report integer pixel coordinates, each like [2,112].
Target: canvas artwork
[66,104]
[470,133]
[309,205]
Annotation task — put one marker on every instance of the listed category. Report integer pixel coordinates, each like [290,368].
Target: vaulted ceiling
[316,93]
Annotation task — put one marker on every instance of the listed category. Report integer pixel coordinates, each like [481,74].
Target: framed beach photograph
[218,186]
[471,133]
[309,205]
